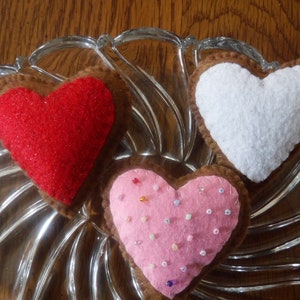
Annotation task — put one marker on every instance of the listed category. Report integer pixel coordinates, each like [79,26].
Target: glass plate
[46,256]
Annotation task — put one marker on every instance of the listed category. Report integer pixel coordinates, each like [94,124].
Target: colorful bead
[121,197]
[152,237]
[174,247]
[176,202]
[183,269]
[216,231]
[143,199]
[188,217]
[155,187]
[221,190]
[167,221]
[164,264]
[190,238]
[201,189]
[202,253]
[135,180]
[144,219]
[227,212]
[170,283]
[209,211]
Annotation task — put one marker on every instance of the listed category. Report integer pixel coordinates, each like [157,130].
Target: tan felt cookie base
[122,99]
[236,238]
[209,61]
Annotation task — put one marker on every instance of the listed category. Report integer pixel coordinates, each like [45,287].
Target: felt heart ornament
[174,230]
[250,117]
[59,135]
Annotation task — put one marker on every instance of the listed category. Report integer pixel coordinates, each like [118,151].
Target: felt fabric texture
[57,138]
[254,121]
[171,234]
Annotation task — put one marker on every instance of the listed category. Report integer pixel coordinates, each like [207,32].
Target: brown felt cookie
[63,136]
[249,116]
[174,230]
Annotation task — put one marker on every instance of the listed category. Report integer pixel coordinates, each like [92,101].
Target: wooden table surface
[272,26]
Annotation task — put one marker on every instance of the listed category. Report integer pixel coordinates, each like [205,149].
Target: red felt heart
[57,138]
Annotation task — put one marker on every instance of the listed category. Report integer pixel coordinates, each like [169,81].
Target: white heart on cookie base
[254,120]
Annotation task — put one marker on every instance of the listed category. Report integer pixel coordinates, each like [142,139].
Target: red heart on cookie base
[57,138]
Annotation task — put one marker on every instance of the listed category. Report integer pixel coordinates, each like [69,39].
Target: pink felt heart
[57,138]
[173,233]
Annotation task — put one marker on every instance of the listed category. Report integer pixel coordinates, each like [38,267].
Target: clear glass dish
[44,255]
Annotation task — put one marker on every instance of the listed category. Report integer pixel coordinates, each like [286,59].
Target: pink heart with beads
[173,233]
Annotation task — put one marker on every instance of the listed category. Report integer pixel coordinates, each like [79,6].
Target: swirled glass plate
[46,256]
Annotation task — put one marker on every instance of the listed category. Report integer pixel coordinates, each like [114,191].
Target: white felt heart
[170,233]
[255,122]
